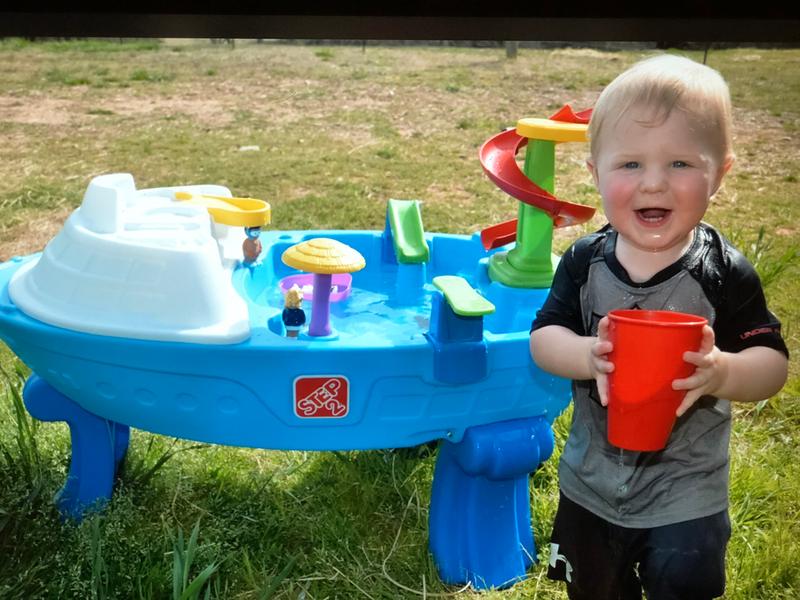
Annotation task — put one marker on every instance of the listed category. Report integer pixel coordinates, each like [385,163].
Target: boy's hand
[599,366]
[709,375]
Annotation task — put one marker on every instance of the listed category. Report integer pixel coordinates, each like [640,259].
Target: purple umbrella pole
[320,306]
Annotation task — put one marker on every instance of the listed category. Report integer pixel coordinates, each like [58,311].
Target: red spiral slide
[497,156]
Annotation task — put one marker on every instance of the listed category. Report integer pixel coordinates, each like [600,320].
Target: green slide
[408,235]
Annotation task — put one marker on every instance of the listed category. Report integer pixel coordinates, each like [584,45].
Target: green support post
[530,264]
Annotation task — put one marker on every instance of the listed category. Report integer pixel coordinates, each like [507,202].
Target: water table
[144,311]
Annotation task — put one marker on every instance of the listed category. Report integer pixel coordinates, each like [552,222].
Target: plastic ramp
[408,235]
[238,212]
[462,297]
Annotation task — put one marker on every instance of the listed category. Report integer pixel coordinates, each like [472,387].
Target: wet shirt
[689,478]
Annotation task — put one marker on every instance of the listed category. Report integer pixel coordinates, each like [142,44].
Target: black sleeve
[743,319]
[563,304]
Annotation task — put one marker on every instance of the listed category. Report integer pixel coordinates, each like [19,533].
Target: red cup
[648,356]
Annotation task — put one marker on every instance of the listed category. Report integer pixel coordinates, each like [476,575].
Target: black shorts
[602,561]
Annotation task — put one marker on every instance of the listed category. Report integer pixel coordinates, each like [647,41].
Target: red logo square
[322,397]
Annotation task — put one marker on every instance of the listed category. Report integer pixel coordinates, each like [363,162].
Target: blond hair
[294,297]
[665,83]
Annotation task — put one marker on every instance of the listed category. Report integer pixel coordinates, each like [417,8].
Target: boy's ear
[723,170]
[726,166]
[592,169]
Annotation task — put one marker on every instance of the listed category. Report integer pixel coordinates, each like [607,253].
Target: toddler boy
[660,145]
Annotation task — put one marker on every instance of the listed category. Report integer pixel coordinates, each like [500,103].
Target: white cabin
[138,264]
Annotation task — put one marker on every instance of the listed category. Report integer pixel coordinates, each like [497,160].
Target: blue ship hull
[244,394]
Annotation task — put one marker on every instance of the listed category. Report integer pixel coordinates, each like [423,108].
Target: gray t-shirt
[689,478]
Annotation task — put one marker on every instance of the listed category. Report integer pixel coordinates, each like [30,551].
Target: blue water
[388,303]
[374,310]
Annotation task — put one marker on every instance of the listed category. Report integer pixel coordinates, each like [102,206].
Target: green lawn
[337,131]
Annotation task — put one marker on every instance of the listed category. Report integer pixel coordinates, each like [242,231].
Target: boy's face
[655,181]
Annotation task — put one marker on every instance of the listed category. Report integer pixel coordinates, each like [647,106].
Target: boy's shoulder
[719,254]
[588,246]
[733,286]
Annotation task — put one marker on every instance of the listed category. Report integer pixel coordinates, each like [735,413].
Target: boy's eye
[631,164]
[680,164]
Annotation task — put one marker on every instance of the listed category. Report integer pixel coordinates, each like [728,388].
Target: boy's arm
[750,375]
[561,351]
[753,374]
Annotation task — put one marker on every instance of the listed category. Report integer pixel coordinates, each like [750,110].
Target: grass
[340,131]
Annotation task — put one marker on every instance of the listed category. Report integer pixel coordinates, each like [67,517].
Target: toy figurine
[293,316]
[251,248]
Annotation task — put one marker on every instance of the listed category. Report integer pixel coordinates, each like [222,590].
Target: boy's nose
[653,180]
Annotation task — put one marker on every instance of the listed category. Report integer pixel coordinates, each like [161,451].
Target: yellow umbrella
[322,257]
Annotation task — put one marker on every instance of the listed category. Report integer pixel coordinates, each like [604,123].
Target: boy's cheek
[616,193]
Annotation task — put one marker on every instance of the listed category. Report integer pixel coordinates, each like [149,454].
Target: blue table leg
[480,521]
[98,448]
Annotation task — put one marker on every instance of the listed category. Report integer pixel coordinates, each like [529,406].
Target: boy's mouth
[653,216]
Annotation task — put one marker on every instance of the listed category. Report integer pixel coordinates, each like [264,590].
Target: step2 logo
[322,397]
